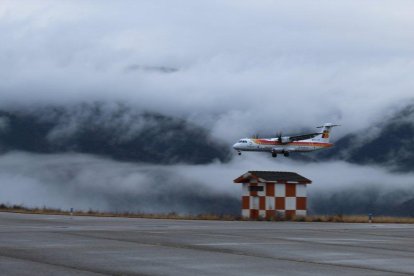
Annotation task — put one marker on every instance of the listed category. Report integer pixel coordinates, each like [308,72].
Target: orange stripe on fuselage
[312,144]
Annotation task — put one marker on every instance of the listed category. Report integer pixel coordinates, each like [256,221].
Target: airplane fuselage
[286,144]
[273,145]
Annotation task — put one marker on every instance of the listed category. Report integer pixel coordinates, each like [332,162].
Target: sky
[234,64]
[234,67]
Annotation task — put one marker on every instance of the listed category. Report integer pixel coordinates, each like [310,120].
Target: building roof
[272,176]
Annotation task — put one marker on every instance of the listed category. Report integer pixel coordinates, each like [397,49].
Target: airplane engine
[285,140]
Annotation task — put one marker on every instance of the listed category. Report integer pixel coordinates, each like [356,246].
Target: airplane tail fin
[324,134]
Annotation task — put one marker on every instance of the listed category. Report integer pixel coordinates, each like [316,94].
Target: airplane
[286,144]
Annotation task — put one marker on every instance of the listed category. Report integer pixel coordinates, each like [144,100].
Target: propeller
[327,125]
[279,137]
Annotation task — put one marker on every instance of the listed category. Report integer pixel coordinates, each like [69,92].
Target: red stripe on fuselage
[297,143]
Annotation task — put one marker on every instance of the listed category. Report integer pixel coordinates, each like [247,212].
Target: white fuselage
[273,145]
[286,144]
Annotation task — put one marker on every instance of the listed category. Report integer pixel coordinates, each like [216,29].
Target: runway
[50,245]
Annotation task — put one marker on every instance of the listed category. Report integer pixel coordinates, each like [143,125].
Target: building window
[255,188]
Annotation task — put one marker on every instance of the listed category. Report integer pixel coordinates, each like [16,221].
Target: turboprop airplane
[286,144]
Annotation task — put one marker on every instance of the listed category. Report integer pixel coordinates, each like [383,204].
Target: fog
[86,182]
[236,65]
[236,68]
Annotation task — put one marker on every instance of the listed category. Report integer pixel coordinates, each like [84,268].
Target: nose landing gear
[239,152]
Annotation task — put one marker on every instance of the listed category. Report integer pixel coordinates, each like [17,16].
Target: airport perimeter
[50,245]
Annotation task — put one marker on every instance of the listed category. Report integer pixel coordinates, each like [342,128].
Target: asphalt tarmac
[61,245]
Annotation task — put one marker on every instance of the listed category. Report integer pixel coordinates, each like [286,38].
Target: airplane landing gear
[274,154]
[239,152]
[286,154]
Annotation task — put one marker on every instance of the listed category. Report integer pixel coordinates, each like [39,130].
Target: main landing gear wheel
[286,154]
[274,154]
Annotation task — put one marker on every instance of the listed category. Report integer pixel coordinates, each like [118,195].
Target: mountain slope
[113,131]
[389,143]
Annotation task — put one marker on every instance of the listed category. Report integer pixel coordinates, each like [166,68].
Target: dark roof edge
[273,176]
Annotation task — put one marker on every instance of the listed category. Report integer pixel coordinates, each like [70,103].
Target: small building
[269,194]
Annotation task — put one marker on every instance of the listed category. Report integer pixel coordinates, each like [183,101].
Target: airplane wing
[302,137]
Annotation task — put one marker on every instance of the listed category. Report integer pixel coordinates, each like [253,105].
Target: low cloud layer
[85,182]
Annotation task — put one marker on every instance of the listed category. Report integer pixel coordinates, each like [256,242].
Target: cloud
[337,187]
[236,67]
[112,130]
[86,182]
[243,66]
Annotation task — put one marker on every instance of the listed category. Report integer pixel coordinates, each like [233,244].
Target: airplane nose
[235,146]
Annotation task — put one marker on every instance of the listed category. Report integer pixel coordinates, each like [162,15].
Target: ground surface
[50,245]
